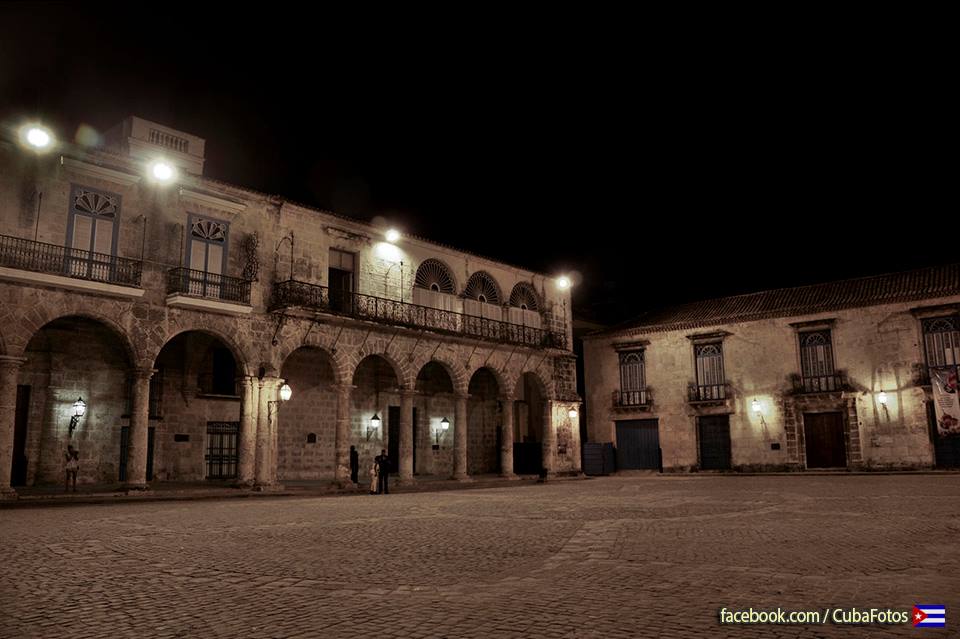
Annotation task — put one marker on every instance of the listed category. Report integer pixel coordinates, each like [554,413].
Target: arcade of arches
[195,406]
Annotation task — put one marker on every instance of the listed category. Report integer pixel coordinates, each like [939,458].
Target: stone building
[176,311]
[833,375]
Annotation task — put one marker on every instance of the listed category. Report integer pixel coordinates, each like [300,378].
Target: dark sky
[659,165]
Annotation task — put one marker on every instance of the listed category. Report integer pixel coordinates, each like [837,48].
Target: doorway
[393,437]
[340,281]
[713,431]
[18,474]
[823,436]
[638,444]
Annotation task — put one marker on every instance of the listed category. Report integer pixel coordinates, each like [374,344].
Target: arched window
[482,287]
[816,362]
[433,275]
[633,385]
[941,340]
[525,306]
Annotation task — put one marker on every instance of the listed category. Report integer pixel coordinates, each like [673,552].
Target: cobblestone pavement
[640,556]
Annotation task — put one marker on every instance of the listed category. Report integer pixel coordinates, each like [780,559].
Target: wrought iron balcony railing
[193,283]
[291,293]
[40,257]
[707,392]
[821,383]
[626,399]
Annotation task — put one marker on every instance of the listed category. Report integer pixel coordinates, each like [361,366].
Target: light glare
[162,171]
[563,282]
[38,138]
[393,235]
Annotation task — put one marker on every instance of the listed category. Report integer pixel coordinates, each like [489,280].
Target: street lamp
[36,137]
[563,282]
[393,236]
[573,413]
[374,425]
[79,408]
[162,171]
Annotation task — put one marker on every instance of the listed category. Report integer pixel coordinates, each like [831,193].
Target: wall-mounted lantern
[285,393]
[758,410]
[444,427]
[573,413]
[374,425]
[882,398]
[79,408]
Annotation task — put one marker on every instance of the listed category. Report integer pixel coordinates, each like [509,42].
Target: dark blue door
[713,431]
[638,444]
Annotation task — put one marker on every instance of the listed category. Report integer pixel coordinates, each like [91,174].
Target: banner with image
[946,400]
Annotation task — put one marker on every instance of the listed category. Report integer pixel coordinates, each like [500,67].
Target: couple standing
[379,471]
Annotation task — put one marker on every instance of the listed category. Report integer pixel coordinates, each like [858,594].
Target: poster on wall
[946,400]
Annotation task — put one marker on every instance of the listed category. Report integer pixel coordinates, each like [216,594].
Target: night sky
[659,166]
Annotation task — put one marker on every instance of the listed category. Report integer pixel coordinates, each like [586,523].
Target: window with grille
[816,362]
[92,232]
[633,385]
[221,458]
[941,341]
[711,382]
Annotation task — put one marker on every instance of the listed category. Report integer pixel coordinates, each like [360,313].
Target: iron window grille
[941,344]
[633,385]
[817,371]
[711,380]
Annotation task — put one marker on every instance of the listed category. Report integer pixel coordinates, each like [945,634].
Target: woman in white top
[374,478]
[72,459]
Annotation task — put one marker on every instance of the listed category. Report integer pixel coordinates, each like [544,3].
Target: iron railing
[291,293]
[821,383]
[187,281]
[632,398]
[40,257]
[707,392]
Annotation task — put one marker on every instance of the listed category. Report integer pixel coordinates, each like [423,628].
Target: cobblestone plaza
[634,556]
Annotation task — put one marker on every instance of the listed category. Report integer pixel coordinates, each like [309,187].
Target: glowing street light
[882,398]
[563,282]
[573,413]
[162,171]
[393,236]
[285,393]
[756,406]
[38,138]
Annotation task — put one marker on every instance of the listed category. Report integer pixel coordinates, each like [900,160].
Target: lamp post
[285,394]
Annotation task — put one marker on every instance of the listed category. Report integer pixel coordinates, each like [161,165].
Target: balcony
[831,383]
[294,294]
[44,264]
[708,392]
[634,399]
[187,288]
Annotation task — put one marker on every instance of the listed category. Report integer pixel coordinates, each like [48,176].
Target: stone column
[266,477]
[406,436]
[9,374]
[549,437]
[506,438]
[460,438]
[249,409]
[342,436]
[139,425]
[575,438]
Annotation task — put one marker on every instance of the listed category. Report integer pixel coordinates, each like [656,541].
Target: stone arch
[134,355]
[456,372]
[545,383]
[483,287]
[502,381]
[389,351]
[245,361]
[342,368]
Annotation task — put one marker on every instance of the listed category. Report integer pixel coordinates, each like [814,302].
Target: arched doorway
[483,423]
[195,409]
[68,359]
[435,402]
[376,393]
[306,427]
[528,424]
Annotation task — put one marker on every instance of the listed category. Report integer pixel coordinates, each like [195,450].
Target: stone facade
[877,346]
[174,355]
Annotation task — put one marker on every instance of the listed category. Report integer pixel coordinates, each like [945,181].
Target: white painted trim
[98,172]
[212,201]
[176,300]
[73,284]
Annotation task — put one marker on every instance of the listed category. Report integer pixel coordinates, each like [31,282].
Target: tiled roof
[935,281]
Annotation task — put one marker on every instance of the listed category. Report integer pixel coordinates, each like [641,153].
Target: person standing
[374,478]
[72,465]
[354,465]
[384,472]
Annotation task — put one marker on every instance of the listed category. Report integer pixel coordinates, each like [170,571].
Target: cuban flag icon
[929,616]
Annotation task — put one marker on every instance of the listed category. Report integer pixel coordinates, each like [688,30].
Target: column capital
[506,398]
[142,372]
[408,392]
[8,361]
[341,388]
[461,395]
